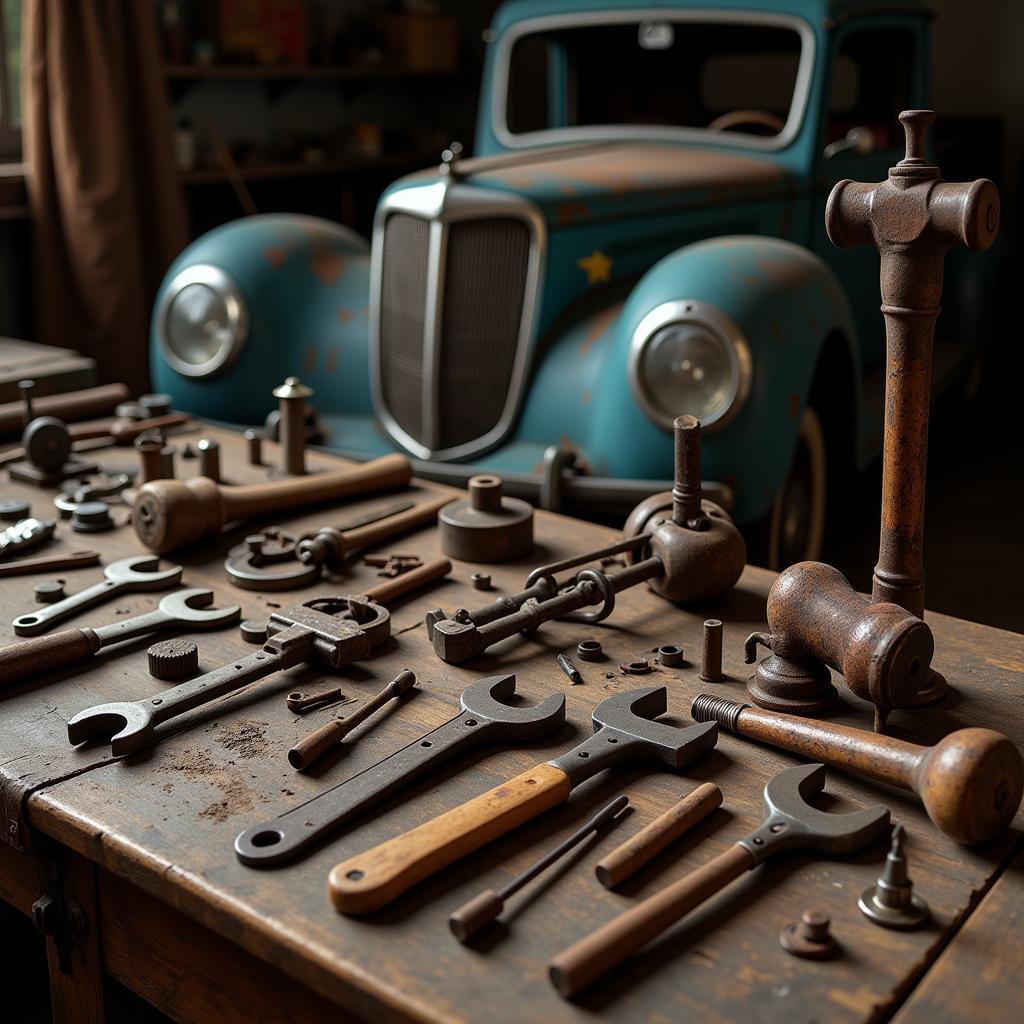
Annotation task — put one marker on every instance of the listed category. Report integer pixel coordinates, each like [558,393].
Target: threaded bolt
[686,487]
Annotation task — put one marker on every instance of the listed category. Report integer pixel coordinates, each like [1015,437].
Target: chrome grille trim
[440,205]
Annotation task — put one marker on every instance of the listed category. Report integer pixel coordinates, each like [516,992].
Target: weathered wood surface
[978,978]
[165,820]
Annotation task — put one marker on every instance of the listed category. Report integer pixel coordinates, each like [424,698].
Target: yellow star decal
[598,267]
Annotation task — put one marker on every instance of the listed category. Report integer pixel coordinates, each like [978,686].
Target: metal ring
[607,592]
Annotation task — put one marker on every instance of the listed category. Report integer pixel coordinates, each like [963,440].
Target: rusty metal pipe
[912,218]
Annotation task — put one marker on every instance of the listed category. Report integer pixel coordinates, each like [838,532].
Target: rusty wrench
[139,572]
[484,718]
[182,609]
[790,823]
[624,730]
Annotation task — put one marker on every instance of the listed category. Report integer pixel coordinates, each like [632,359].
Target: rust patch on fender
[345,315]
[326,263]
[598,327]
[275,255]
[331,362]
[308,360]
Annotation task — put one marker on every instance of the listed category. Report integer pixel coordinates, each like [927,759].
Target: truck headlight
[688,357]
[201,321]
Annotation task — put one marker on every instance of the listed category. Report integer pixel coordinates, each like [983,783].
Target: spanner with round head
[484,719]
[184,609]
[138,573]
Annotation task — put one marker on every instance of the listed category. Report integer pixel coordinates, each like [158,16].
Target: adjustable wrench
[184,609]
[483,719]
[129,574]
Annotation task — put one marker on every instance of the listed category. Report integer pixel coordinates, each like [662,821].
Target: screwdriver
[480,910]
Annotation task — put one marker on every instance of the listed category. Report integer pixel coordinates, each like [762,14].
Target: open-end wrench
[300,634]
[484,719]
[137,573]
[790,823]
[184,609]
[624,730]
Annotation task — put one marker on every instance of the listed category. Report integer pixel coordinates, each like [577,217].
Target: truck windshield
[720,77]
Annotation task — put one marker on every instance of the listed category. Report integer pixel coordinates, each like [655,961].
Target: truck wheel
[796,522]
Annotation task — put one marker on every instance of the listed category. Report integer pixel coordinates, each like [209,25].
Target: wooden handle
[316,744]
[261,499]
[373,879]
[171,514]
[635,852]
[44,653]
[74,405]
[585,961]
[372,533]
[391,590]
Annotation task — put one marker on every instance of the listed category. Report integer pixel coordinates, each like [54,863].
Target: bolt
[25,389]
[711,655]
[686,488]
[149,447]
[254,443]
[209,458]
[810,936]
[291,396]
[891,901]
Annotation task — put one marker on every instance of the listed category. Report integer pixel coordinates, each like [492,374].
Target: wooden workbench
[143,846]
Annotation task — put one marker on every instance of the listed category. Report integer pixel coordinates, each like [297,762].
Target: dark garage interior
[510,242]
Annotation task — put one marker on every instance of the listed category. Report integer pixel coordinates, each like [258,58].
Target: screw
[570,670]
[25,389]
[809,937]
[711,656]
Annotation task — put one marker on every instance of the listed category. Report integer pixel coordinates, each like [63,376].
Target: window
[872,81]
[727,76]
[10,79]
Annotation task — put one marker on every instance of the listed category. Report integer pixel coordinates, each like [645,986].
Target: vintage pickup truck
[640,235]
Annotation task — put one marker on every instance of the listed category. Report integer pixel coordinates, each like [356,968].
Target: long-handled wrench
[138,573]
[790,823]
[484,719]
[184,609]
[624,730]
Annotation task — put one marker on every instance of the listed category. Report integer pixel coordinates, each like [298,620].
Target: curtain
[107,209]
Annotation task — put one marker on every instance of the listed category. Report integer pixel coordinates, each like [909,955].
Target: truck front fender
[786,303]
[295,290]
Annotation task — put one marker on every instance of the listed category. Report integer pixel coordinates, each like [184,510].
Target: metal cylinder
[254,444]
[209,458]
[167,462]
[25,389]
[149,447]
[686,487]
[711,654]
[485,493]
[291,396]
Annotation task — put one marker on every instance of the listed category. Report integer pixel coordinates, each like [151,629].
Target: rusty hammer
[624,730]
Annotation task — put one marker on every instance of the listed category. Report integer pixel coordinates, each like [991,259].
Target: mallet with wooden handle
[171,514]
[623,731]
[970,782]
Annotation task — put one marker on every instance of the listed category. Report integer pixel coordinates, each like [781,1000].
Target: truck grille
[483,286]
